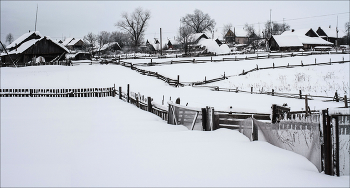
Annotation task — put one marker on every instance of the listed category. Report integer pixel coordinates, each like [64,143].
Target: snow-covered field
[95,142]
[100,142]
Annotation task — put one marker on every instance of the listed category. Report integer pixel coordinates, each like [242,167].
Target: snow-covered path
[99,142]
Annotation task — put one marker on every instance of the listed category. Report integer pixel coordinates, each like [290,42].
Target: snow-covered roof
[105,46]
[297,32]
[287,41]
[297,40]
[67,41]
[71,41]
[22,38]
[314,40]
[212,46]
[331,32]
[24,46]
[240,32]
[196,36]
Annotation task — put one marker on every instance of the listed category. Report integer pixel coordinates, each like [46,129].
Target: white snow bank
[102,142]
[212,46]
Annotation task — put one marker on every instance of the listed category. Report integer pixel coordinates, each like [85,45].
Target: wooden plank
[230,122]
[235,116]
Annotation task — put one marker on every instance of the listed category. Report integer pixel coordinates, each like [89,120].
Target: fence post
[255,131]
[205,79]
[128,93]
[274,113]
[273,92]
[224,76]
[336,96]
[306,106]
[273,65]
[251,90]
[211,59]
[300,95]
[137,100]
[302,63]
[113,94]
[346,101]
[177,100]
[178,80]
[149,104]
[327,143]
[337,145]
[163,100]
[315,61]
[204,119]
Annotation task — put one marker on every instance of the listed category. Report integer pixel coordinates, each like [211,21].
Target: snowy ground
[98,142]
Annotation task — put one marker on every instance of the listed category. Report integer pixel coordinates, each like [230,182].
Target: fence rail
[82,92]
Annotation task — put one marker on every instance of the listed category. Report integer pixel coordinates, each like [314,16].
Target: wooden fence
[247,57]
[172,82]
[177,82]
[83,92]
[205,81]
[299,95]
[142,102]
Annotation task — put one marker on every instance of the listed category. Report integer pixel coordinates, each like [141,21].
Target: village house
[30,46]
[73,44]
[108,48]
[294,40]
[237,36]
[329,34]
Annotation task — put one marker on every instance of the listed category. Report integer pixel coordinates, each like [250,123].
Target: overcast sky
[59,19]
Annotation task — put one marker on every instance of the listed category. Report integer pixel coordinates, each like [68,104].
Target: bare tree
[184,37]
[120,37]
[135,24]
[102,39]
[90,40]
[273,28]
[253,37]
[9,38]
[199,21]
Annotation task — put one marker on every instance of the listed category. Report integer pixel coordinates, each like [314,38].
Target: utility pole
[270,24]
[161,41]
[336,42]
[36,16]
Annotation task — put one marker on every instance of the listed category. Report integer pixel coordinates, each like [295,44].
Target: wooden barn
[73,44]
[294,40]
[32,45]
[329,34]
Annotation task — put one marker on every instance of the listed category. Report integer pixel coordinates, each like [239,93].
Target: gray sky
[59,19]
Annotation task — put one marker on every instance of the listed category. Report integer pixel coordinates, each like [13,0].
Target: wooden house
[229,37]
[111,47]
[194,38]
[329,34]
[294,40]
[32,45]
[73,44]
[237,36]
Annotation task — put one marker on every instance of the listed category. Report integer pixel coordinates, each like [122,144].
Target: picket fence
[82,92]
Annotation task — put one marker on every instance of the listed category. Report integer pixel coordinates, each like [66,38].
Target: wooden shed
[30,46]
